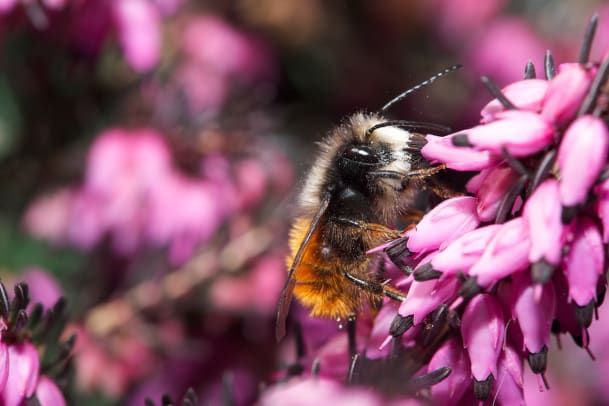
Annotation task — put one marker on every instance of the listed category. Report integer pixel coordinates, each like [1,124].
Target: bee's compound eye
[362,154]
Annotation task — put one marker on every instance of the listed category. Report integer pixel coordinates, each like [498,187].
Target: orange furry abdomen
[320,281]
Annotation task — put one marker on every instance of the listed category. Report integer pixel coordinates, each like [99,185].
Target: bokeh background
[150,152]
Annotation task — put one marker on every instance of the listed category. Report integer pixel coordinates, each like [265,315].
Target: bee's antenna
[417,87]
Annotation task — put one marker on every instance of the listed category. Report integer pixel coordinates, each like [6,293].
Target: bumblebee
[366,175]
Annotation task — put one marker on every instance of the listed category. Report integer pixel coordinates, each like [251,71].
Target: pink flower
[48,393]
[316,391]
[542,212]
[584,263]
[452,389]
[524,94]
[534,311]
[565,94]
[446,222]
[442,150]
[23,370]
[602,207]
[7,5]
[493,189]
[520,132]
[4,365]
[465,251]
[139,27]
[424,297]
[506,253]
[581,157]
[482,328]
[510,389]
[43,287]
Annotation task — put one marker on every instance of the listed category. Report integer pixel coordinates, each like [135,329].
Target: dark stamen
[482,389]
[599,80]
[549,66]
[539,361]
[401,96]
[469,288]
[584,53]
[22,297]
[461,140]
[316,367]
[542,271]
[438,321]
[568,214]
[529,71]
[542,171]
[166,400]
[396,349]
[497,93]
[505,207]
[5,305]
[583,314]
[514,163]
[414,126]
[426,272]
[400,325]
[429,379]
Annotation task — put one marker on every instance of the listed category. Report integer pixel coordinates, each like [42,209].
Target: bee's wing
[286,294]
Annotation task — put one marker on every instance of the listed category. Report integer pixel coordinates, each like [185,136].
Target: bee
[366,175]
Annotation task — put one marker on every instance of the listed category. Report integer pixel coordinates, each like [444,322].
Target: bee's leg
[376,288]
[423,173]
[441,189]
[351,320]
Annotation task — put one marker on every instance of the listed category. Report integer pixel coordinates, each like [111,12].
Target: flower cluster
[525,256]
[134,194]
[31,357]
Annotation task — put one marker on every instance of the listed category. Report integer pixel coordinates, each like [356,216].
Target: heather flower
[581,157]
[492,189]
[139,27]
[519,132]
[447,221]
[565,94]
[526,95]
[534,311]
[507,252]
[442,149]
[510,379]
[542,213]
[452,389]
[584,264]
[23,367]
[482,328]
[424,297]
[465,251]
[534,256]
[20,360]
[48,393]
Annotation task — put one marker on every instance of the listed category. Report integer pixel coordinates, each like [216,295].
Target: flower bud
[442,150]
[565,94]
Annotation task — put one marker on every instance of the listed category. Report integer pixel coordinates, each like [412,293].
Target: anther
[426,272]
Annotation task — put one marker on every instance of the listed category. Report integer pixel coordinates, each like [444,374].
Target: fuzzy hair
[353,131]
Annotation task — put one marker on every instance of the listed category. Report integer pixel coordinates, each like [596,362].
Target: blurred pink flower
[134,193]
[315,391]
[48,393]
[505,39]
[43,287]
